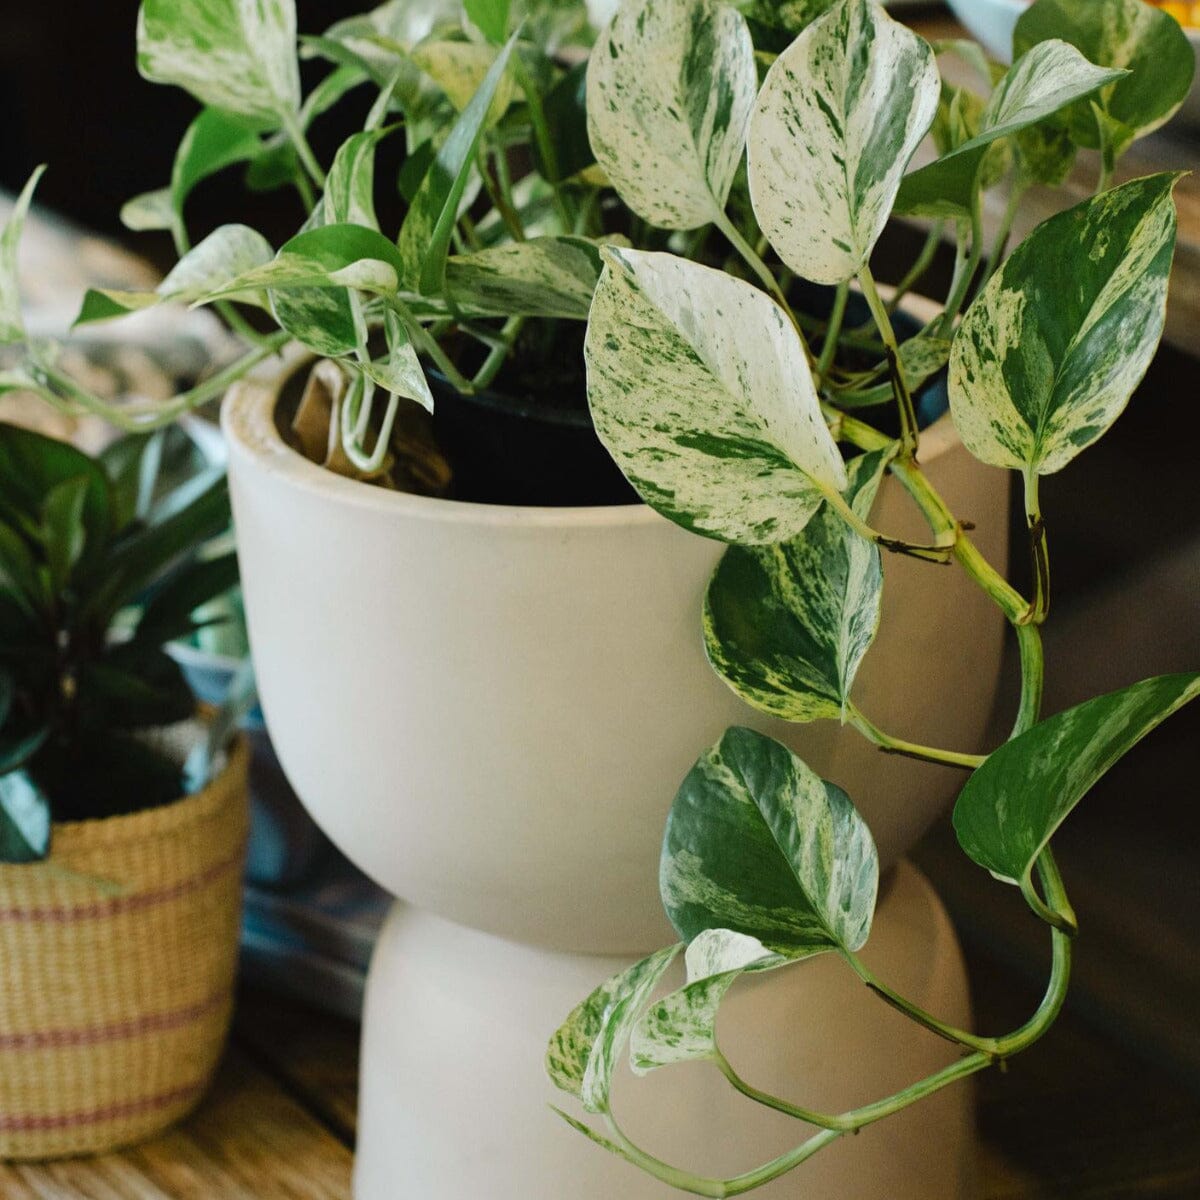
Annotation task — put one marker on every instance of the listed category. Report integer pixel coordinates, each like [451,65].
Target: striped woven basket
[117,964]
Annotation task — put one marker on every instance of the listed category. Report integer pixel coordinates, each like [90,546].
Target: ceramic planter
[119,960]
[489,710]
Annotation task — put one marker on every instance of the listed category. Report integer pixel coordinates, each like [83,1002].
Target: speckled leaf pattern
[682,1027]
[923,357]
[758,844]
[1051,350]
[701,391]
[840,114]
[349,196]
[541,277]
[1146,41]
[238,55]
[425,235]
[670,87]
[12,327]
[1050,76]
[787,626]
[401,372]
[584,1051]
[1012,805]
[459,68]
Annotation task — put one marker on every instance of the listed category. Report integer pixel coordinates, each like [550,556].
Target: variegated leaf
[459,69]
[758,844]
[237,55]
[923,357]
[228,253]
[583,1052]
[1047,78]
[425,235]
[1014,803]
[1147,42]
[591,1134]
[1051,350]
[701,391]
[788,626]
[399,22]
[149,212]
[840,114]
[541,277]
[670,86]
[401,372]
[349,197]
[682,1027]
[12,327]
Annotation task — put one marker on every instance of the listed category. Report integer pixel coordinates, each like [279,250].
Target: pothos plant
[706,393]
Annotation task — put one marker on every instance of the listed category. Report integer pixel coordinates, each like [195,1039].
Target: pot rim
[248,422]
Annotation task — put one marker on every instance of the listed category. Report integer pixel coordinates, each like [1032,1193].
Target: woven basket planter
[117,965]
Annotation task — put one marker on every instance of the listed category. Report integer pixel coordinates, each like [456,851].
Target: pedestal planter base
[453,1100]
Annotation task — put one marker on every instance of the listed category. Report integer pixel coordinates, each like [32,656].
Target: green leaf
[670,87]
[224,257]
[490,17]
[237,55]
[701,391]
[132,464]
[788,626]
[169,613]
[1042,81]
[459,69]
[583,1052]
[1014,803]
[149,212]
[1051,350]
[214,140]
[7,692]
[840,114]
[12,327]
[682,1027]
[758,844]
[349,197]
[1147,42]
[541,277]
[424,239]
[401,372]
[19,574]
[14,754]
[565,107]
[24,819]
[134,687]
[64,533]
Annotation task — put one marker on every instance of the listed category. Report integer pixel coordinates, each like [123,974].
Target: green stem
[965,267]
[833,332]
[923,262]
[508,214]
[423,341]
[304,152]
[135,420]
[893,745]
[1108,152]
[541,134]
[1016,193]
[498,353]
[1038,548]
[1055,909]
[935,553]
[1029,642]
[821,1120]
[909,434]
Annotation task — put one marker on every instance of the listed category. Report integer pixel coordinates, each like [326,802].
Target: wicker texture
[117,965]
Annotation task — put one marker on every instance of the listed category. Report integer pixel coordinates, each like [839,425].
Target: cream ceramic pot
[489,709]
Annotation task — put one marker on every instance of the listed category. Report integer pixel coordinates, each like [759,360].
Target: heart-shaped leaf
[237,55]
[583,1052]
[758,844]
[682,1027]
[1014,803]
[425,235]
[1045,79]
[541,277]
[701,391]
[840,114]
[1051,350]
[1147,42]
[787,626]
[670,86]
[24,819]
[12,327]
[400,373]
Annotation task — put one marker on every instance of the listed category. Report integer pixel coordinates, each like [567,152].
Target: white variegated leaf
[1051,350]
[459,68]
[541,277]
[583,1052]
[149,212]
[670,87]
[682,1027]
[401,372]
[350,187]
[788,626]
[12,327]
[839,116]
[757,843]
[700,389]
[238,55]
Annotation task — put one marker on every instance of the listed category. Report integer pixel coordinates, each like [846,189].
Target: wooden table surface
[1076,1118]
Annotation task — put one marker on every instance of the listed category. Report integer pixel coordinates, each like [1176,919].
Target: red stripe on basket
[118,905]
[30,1123]
[56,1039]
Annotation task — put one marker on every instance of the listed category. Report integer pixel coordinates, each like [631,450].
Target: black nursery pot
[510,451]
